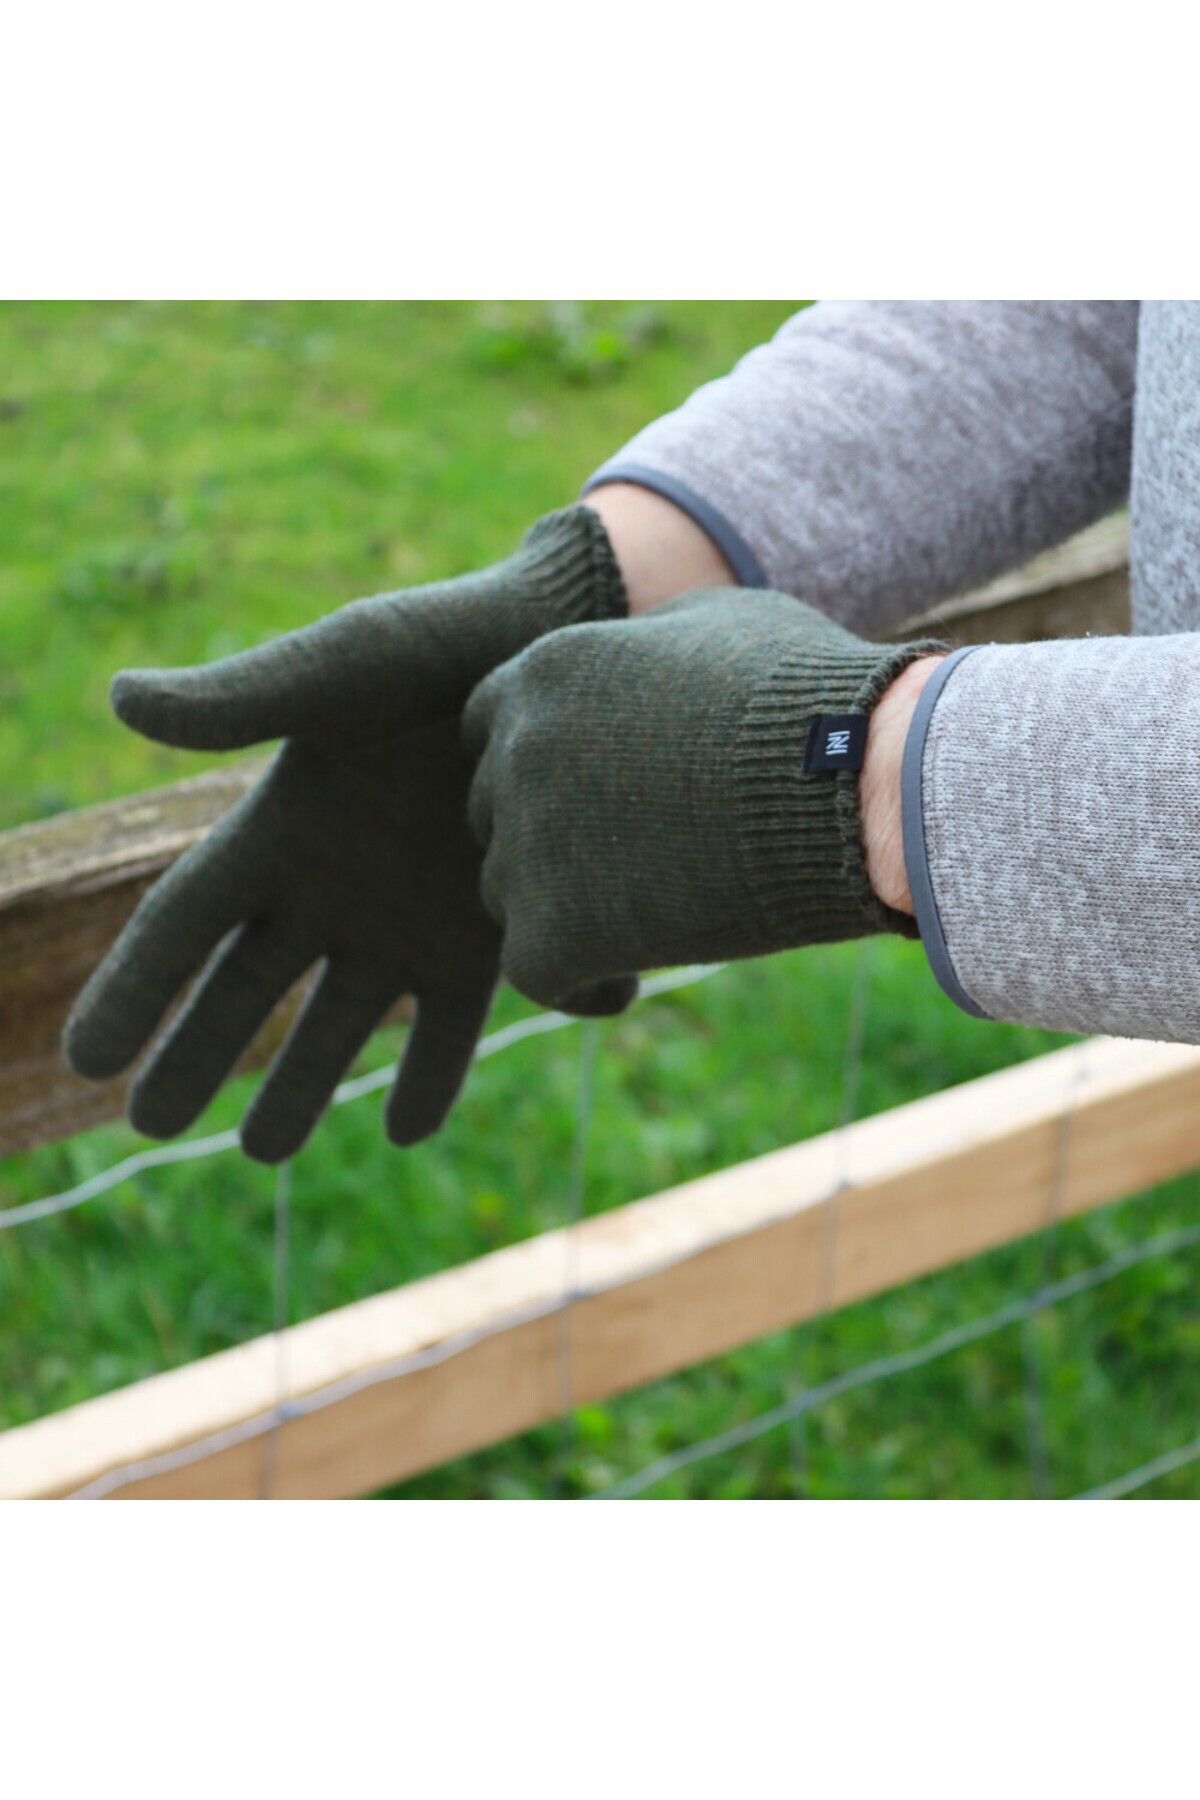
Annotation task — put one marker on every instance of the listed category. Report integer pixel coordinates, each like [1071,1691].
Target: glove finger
[493,882]
[175,929]
[479,713]
[338,1018]
[439,1053]
[250,976]
[602,999]
[481,801]
[347,667]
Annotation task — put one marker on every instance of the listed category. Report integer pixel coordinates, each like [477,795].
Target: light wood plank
[667,1282]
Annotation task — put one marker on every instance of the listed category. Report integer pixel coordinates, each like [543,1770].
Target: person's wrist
[660,549]
[879,784]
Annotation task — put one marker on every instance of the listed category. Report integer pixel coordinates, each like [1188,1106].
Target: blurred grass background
[178,481]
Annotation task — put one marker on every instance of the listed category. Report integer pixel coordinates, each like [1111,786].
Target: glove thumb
[339,671]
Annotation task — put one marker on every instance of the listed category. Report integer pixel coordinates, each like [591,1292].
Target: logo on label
[836,741]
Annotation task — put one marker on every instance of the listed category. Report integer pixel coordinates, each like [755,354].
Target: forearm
[1051,800]
[876,456]
[1042,805]
[1056,812]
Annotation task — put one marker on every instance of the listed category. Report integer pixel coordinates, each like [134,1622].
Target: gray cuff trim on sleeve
[916,860]
[730,543]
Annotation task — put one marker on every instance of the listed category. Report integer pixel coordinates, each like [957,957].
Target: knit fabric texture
[1165,497]
[642,796]
[1061,793]
[878,455]
[352,853]
[1060,790]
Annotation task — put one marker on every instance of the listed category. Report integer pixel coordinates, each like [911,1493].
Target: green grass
[177,481]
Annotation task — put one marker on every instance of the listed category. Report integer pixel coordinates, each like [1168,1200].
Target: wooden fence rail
[404,1381]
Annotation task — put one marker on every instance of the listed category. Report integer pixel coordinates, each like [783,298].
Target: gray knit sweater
[878,456]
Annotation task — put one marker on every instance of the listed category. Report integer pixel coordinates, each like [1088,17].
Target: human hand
[352,852]
[645,794]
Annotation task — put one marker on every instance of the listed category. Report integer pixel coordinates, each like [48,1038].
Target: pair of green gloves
[502,774]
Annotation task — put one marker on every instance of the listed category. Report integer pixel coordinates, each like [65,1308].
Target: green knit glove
[677,788]
[353,851]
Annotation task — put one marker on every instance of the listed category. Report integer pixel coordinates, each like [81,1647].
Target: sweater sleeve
[1051,806]
[877,456]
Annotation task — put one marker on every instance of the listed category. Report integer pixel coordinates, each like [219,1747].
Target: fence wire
[195,1149]
[1141,1477]
[903,1362]
[282,1311]
[1037,1436]
[793,1411]
[852,1064]
[880,1369]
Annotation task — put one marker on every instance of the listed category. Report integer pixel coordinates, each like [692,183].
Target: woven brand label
[836,741]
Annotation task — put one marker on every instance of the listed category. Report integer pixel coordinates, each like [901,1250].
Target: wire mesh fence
[807,1393]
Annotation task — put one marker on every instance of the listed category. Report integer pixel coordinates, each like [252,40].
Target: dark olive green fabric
[641,793]
[352,852]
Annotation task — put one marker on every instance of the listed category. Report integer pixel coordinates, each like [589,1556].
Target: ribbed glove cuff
[800,835]
[569,566]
